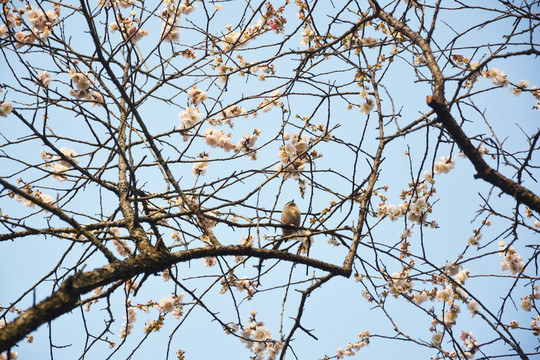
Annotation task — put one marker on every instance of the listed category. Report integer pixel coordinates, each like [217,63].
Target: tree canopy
[148,148]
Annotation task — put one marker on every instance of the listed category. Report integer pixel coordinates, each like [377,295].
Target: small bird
[290,216]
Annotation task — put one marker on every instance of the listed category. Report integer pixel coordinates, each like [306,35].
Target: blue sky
[337,312]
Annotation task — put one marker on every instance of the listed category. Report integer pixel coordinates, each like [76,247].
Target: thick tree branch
[438,103]
[67,296]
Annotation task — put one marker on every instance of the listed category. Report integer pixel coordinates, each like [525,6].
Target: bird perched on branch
[290,216]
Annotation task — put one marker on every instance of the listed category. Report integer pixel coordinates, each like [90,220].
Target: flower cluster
[399,283]
[199,168]
[471,345]
[190,117]
[305,241]
[45,198]
[171,17]
[446,295]
[247,241]
[95,293]
[13,355]
[59,165]
[497,76]
[116,3]
[268,104]
[527,301]
[474,239]
[82,83]
[243,284]
[352,347]
[234,40]
[419,297]
[129,29]
[520,86]
[512,261]
[44,78]
[293,156]
[171,304]
[307,35]
[231,112]
[450,316]
[536,93]
[247,144]
[257,338]
[355,41]
[472,306]
[129,319]
[40,22]
[418,207]
[11,20]
[218,138]
[535,326]
[196,96]
[444,165]
[253,68]
[271,21]
[367,106]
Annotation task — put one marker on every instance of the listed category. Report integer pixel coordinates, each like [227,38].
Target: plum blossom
[170,30]
[24,37]
[13,355]
[116,3]
[218,138]
[81,80]
[247,143]
[292,156]
[419,297]
[512,261]
[129,29]
[472,306]
[190,117]
[60,165]
[451,268]
[520,85]
[366,107]
[446,295]
[535,326]
[199,168]
[44,78]
[171,304]
[307,35]
[419,60]
[230,40]
[497,76]
[197,96]
[257,338]
[449,318]
[526,303]
[39,19]
[462,276]
[70,154]
[444,165]
[436,339]
[399,283]
[5,109]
